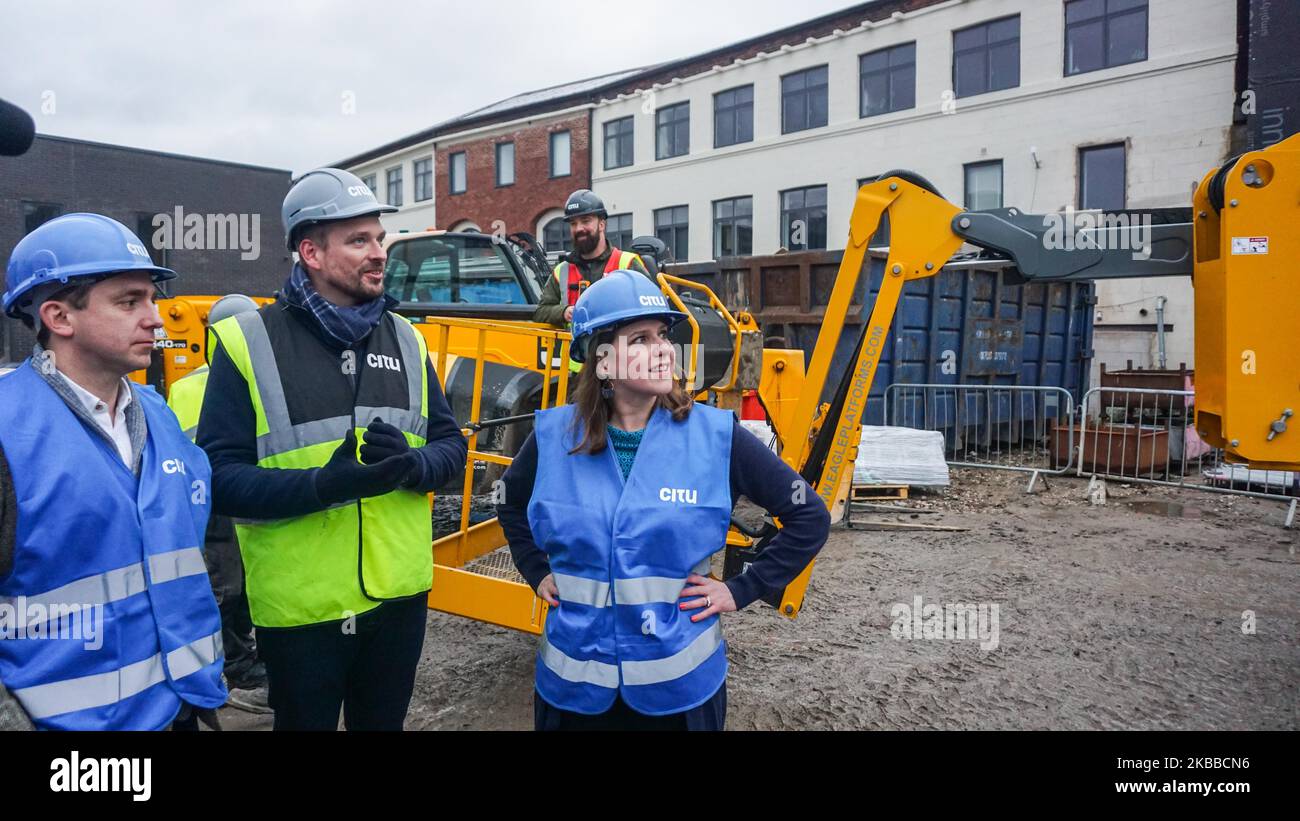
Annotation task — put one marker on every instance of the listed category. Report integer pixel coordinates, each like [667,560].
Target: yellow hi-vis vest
[185,398]
[344,560]
[569,278]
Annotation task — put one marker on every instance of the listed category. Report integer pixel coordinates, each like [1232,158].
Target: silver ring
[708,602]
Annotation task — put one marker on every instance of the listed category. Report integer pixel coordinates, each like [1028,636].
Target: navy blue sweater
[756,473]
[228,433]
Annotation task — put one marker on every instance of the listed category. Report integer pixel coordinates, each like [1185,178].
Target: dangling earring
[606,389]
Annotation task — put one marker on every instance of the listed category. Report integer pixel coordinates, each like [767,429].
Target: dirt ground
[1127,616]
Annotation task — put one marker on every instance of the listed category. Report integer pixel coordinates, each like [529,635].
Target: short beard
[587,245]
[354,287]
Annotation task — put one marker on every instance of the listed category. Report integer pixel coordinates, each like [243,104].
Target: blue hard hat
[73,245]
[617,298]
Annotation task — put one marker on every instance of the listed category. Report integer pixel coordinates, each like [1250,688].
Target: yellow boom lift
[1239,241]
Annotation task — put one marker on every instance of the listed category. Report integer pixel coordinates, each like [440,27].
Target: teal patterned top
[625,445]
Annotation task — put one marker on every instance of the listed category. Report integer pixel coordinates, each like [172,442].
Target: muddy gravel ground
[1132,615]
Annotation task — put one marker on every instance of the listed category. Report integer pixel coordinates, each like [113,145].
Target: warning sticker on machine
[1250,245]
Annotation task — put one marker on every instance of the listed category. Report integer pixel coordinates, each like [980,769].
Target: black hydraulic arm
[1073,245]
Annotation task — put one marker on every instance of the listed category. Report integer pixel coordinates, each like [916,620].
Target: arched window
[556,238]
[466,225]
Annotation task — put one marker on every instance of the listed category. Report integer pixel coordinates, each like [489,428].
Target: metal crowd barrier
[1149,436]
[1026,428]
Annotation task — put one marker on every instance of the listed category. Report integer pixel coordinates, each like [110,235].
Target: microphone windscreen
[17,130]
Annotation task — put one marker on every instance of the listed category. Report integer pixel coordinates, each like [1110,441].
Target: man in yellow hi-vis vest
[327,430]
[245,673]
[592,257]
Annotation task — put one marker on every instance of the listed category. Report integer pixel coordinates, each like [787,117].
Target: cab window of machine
[452,270]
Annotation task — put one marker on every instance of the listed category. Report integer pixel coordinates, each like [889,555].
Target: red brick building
[508,166]
[532,191]
[497,167]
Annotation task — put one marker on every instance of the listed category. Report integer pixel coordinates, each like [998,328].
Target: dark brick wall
[534,192]
[123,182]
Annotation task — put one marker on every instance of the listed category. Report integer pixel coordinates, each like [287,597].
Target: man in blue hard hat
[107,620]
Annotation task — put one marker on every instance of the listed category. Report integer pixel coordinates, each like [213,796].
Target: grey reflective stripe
[113,586]
[176,564]
[99,589]
[196,655]
[265,372]
[408,419]
[292,437]
[676,665]
[578,590]
[648,589]
[87,692]
[283,437]
[410,345]
[190,432]
[582,672]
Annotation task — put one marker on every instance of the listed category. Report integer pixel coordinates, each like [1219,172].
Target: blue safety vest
[620,552]
[107,620]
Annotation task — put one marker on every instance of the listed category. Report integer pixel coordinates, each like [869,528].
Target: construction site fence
[1139,435]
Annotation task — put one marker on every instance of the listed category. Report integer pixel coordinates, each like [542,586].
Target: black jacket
[227,433]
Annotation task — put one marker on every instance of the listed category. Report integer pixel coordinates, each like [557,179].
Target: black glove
[343,478]
[384,441]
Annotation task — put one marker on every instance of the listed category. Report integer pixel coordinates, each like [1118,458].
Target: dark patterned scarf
[347,326]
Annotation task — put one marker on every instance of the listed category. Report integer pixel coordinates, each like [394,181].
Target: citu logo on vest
[173,466]
[679,494]
[379,360]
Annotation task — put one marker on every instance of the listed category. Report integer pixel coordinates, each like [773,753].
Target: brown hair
[592,414]
[317,232]
[77,295]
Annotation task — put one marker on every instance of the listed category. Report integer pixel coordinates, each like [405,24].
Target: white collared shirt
[114,425]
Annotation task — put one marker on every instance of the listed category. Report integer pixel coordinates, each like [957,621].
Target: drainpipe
[1160,328]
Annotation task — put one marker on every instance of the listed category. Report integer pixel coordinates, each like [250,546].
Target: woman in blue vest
[612,509]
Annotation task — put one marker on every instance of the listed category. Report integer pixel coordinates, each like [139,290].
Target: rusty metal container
[1122,450]
[1135,407]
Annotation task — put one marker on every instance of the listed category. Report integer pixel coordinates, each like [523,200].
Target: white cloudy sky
[262,81]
